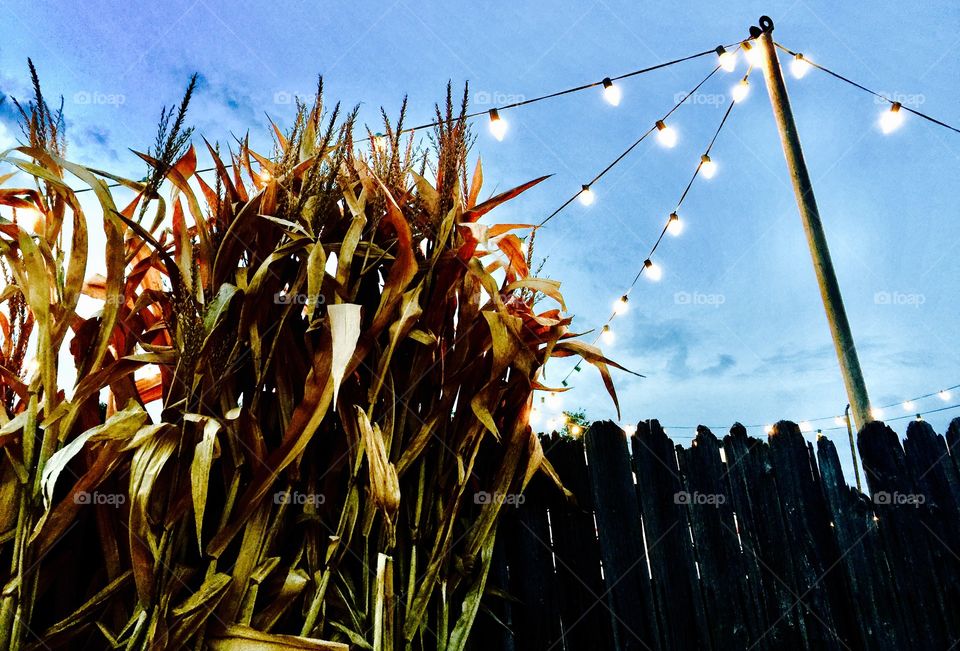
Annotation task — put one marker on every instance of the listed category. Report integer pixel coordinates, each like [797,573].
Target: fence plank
[583,612]
[675,583]
[621,543]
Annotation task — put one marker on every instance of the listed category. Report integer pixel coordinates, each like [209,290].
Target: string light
[851,82]
[891,120]
[768,429]
[265,175]
[944,395]
[611,92]
[607,335]
[666,135]
[741,90]
[908,405]
[621,305]
[726,59]
[707,167]
[586,195]
[839,421]
[753,53]
[654,272]
[876,413]
[799,67]
[575,430]
[498,126]
[674,225]
[629,430]
[805,426]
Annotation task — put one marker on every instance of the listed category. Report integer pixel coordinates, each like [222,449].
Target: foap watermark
[290,97]
[699,299]
[914,100]
[99,98]
[899,499]
[281,298]
[299,499]
[96,497]
[699,499]
[496,98]
[900,299]
[705,99]
[503,499]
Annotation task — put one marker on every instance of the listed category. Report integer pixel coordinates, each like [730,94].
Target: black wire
[505,107]
[628,149]
[872,92]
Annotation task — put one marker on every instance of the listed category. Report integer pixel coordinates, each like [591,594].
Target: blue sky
[752,342]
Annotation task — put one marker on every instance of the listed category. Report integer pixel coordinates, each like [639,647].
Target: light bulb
[621,305]
[586,195]
[805,426]
[611,92]
[575,430]
[944,395]
[498,126]
[891,120]
[908,405]
[265,175]
[768,429]
[753,53]
[876,413]
[674,225]
[726,59]
[799,67]
[630,430]
[707,167]
[654,272]
[741,90]
[666,136]
[607,335]
[839,421]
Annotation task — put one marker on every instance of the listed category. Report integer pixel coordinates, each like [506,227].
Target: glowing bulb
[768,429]
[753,53]
[799,66]
[498,126]
[611,92]
[607,335]
[265,175]
[666,136]
[575,430]
[586,195]
[674,225]
[741,90]
[944,395]
[554,401]
[707,167]
[891,120]
[654,272]
[727,60]
[620,305]
[876,413]
[805,426]
[630,430]
[839,421]
[908,405]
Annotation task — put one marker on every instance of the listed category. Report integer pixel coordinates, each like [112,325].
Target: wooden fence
[731,544]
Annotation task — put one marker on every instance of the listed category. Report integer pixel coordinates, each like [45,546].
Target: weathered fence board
[736,543]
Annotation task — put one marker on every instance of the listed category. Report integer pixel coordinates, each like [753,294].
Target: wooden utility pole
[822,265]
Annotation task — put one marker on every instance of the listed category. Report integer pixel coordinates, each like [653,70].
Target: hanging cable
[897,106]
[648,265]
